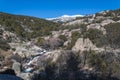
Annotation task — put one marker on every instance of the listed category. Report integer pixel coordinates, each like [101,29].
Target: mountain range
[64,18]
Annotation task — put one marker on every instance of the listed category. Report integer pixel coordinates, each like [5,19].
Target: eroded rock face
[94,26]
[55,56]
[84,44]
[108,21]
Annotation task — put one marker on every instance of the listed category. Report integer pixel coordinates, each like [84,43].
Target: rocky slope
[86,48]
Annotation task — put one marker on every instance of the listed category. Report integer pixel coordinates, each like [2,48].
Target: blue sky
[54,8]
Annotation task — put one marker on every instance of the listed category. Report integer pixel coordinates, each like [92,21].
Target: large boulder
[16,67]
[25,76]
[83,44]
[105,22]
[94,26]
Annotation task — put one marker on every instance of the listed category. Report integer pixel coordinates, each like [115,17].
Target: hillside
[86,48]
[25,26]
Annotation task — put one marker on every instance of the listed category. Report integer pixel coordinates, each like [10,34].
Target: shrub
[1,57]
[4,45]
[41,41]
[63,37]
[116,18]
[75,36]
[1,31]
[96,36]
[105,62]
[113,34]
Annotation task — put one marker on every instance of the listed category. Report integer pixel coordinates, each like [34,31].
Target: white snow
[64,18]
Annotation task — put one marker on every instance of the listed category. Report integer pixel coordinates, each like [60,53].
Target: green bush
[71,27]
[113,34]
[96,36]
[1,57]
[4,45]
[63,37]
[83,28]
[104,62]
[27,27]
[41,41]
[74,37]
[116,18]
[1,31]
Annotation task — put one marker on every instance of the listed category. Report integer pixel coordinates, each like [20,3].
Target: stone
[94,26]
[16,67]
[83,44]
[105,22]
[25,76]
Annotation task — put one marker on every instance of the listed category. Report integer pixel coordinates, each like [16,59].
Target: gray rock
[16,67]
[25,76]
[83,44]
[108,21]
[94,26]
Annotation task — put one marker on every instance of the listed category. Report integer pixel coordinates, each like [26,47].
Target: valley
[68,48]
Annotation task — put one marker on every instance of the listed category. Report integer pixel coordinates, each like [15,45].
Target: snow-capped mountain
[64,18]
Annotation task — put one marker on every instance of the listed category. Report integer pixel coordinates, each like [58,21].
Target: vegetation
[103,63]
[27,27]
[83,29]
[63,37]
[67,65]
[111,38]
[4,45]
[70,27]
[62,69]
[96,36]
[51,43]
[1,58]
[41,41]
[74,37]
[98,21]
[116,18]
[110,13]
[113,34]
[16,57]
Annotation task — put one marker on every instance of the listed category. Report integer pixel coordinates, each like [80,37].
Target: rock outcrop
[16,67]
[84,44]
[108,21]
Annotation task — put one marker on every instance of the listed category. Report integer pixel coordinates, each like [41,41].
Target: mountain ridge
[64,18]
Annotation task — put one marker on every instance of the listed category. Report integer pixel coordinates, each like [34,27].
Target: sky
[55,8]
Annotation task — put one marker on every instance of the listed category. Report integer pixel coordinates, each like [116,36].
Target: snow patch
[64,18]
